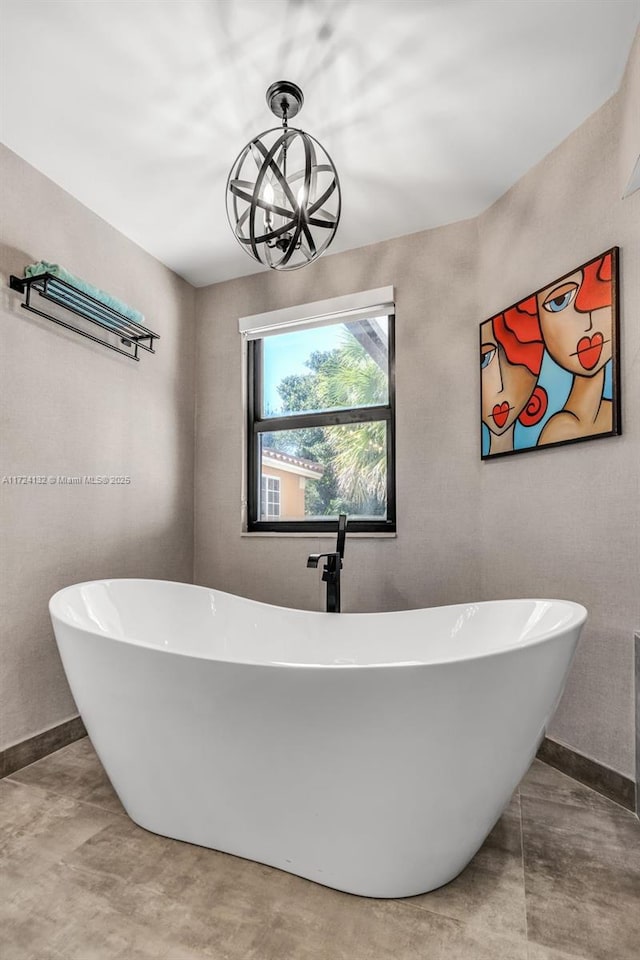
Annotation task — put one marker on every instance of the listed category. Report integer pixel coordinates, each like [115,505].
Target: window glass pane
[335,367]
[324,471]
[269,496]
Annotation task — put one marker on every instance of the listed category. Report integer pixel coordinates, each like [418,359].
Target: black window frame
[257,424]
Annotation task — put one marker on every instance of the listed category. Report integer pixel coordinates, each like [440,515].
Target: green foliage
[354,456]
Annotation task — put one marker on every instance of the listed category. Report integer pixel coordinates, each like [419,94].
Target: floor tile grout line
[461,924]
[84,869]
[570,956]
[585,786]
[524,881]
[524,875]
[66,796]
[464,923]
[405,902]
[568,802]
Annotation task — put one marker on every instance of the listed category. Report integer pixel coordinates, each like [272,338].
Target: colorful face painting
[549,364]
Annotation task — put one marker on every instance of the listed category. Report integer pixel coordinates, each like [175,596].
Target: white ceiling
[430,109]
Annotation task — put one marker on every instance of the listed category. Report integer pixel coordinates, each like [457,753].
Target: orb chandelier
[283,192]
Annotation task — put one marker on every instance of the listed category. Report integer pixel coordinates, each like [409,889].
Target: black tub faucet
[333,566]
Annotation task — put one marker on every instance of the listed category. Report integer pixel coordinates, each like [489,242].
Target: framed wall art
[549,364]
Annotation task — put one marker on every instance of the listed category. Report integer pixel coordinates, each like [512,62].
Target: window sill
[317,536]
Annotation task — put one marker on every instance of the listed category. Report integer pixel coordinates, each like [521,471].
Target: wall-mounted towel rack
[132,335]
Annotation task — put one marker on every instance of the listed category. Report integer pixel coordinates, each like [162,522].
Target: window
[320,415]
[269,497]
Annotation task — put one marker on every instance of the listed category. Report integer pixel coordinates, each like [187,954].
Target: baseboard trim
[592,774]
[35,748]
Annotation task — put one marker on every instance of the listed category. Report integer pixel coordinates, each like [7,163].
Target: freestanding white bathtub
[369,752]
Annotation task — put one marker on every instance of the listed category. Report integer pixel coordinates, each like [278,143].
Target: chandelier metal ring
[283,192]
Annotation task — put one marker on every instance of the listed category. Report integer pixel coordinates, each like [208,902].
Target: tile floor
[558,879]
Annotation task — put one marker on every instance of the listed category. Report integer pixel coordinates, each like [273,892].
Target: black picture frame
[549,377]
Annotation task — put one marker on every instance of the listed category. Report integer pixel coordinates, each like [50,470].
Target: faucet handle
[331,576]
[314,558]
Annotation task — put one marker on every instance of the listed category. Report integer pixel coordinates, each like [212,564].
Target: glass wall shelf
[131,335]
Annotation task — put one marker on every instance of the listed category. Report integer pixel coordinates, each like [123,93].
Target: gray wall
[71,407]
[558,522]
[434,560]
[567,521]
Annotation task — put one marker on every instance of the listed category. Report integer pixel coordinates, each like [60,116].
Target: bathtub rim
[579,615]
